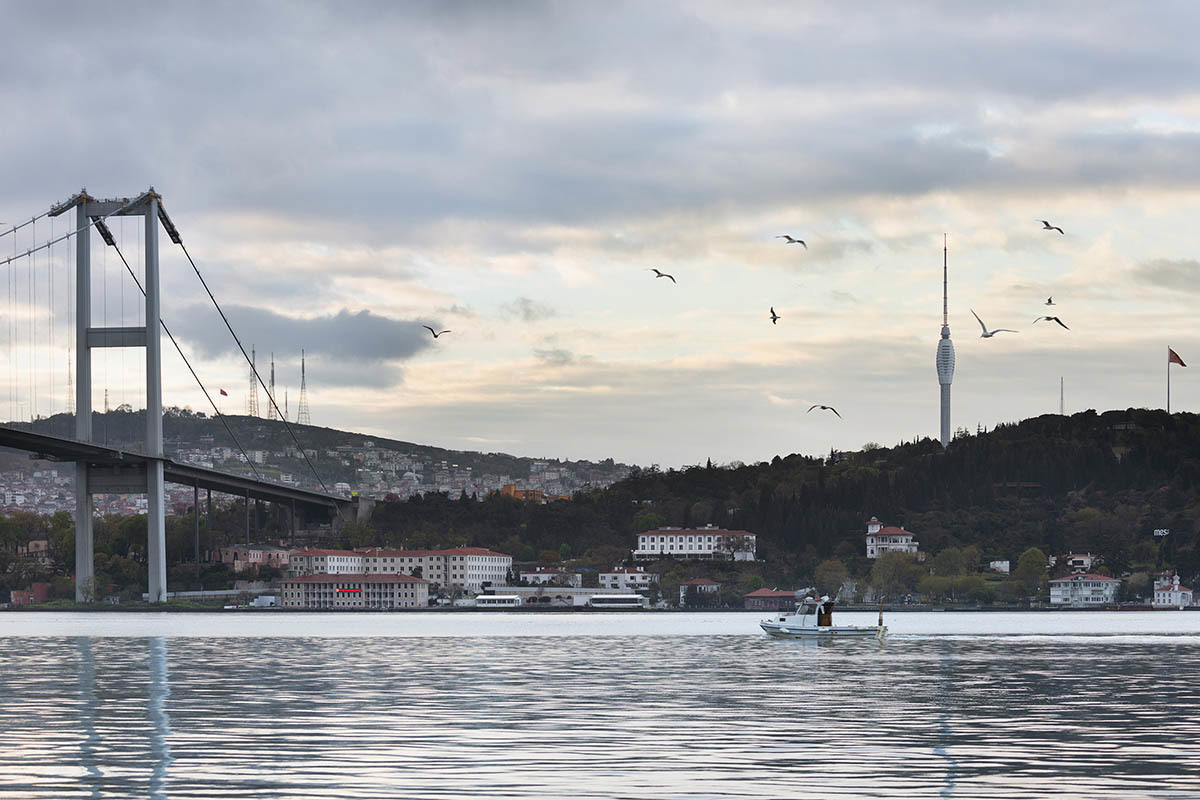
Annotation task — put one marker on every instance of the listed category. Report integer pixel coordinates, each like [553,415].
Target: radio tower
[271,391]
[945,356]
[252,400]
[302,406]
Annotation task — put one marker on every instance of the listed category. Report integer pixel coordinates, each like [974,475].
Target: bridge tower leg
[156,532]
[85,562]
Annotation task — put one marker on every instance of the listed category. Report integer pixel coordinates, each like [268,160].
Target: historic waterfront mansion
[882,539]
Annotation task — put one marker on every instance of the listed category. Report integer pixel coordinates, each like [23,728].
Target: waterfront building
[882,539]
[354,591]
[709,543]
[36,593]
[628,578]
[999,566]
[770,599]
[1172,595]
[707,589]
[552,575]
[1084,590]
[457,569]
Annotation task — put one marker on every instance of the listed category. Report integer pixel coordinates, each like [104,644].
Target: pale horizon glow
[345,174]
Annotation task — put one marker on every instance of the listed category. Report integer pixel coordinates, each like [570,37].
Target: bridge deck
[58,448]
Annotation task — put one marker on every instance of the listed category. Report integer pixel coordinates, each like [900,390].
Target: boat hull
[786,631]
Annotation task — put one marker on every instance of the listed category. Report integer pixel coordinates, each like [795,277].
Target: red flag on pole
[226,394]
[1173,358]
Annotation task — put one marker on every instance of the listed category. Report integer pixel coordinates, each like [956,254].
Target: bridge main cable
[55,211]
[173,233]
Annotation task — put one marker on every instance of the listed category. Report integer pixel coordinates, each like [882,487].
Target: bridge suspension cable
[70,233]
[107,236]
[29,221]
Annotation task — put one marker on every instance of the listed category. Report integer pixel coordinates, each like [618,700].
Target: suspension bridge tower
[89,210]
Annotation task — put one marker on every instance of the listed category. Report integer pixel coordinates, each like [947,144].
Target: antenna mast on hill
[271,391]
[252,400]
[302,406]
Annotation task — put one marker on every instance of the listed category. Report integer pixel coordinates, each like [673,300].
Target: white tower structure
[945,356]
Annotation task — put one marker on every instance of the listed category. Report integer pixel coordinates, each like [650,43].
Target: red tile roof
[891,530]
[457,551]
[313,552]
[350,578]
[1085,576]
[695,531]
[771,593]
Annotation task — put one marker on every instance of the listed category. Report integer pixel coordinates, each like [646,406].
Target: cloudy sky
[347,172]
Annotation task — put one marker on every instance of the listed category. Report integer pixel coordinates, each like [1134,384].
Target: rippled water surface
[596,706]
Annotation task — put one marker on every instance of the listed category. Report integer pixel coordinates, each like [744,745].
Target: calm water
[596,706]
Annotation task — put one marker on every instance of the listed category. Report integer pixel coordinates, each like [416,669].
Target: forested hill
[1099,483]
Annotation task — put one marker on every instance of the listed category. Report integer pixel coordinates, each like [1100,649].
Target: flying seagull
[1050,300]
[435,333]
[774,316]
[824,408]
[989,334]
[1050,319]
[658,274]
[790,240]
[1046,226]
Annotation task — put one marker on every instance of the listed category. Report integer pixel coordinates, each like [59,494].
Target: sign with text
[1161,531]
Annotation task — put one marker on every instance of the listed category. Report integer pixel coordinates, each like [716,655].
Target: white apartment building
[354,591]
[1172,595]
[558,577]
[1083,590]
[627,578]
[708,542]
[884,539]
[460,568]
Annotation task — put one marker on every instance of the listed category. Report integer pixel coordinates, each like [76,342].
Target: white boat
[814,620]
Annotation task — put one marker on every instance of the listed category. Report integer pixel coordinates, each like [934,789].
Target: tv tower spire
[302,406]
[945,353]
[252,399]
[271,392]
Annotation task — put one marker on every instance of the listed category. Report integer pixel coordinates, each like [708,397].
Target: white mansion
[882,539]
[709,542]
[1082,590]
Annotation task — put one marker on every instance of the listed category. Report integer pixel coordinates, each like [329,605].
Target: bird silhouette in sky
[774,317]
[1046,226]
[1050,300]
[790,240]
[824,408]
[659,274]
[989,334]
[435,333]
[1051,319]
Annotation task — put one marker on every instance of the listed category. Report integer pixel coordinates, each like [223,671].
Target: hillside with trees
[1099,483]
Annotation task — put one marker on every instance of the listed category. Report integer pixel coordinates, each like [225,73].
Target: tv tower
[271,392]
[945,355]
[252,400]
[302,406]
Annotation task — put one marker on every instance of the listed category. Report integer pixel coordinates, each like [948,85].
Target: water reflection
[88,709]
[597,717]
[160,720]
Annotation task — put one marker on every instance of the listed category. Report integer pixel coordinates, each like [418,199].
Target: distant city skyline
[512,173]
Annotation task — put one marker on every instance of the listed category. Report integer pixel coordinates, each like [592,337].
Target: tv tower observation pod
[945,357]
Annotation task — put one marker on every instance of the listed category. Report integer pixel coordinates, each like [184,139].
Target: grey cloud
[556,357]
[528,310]
[359,337]
[1178,274]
